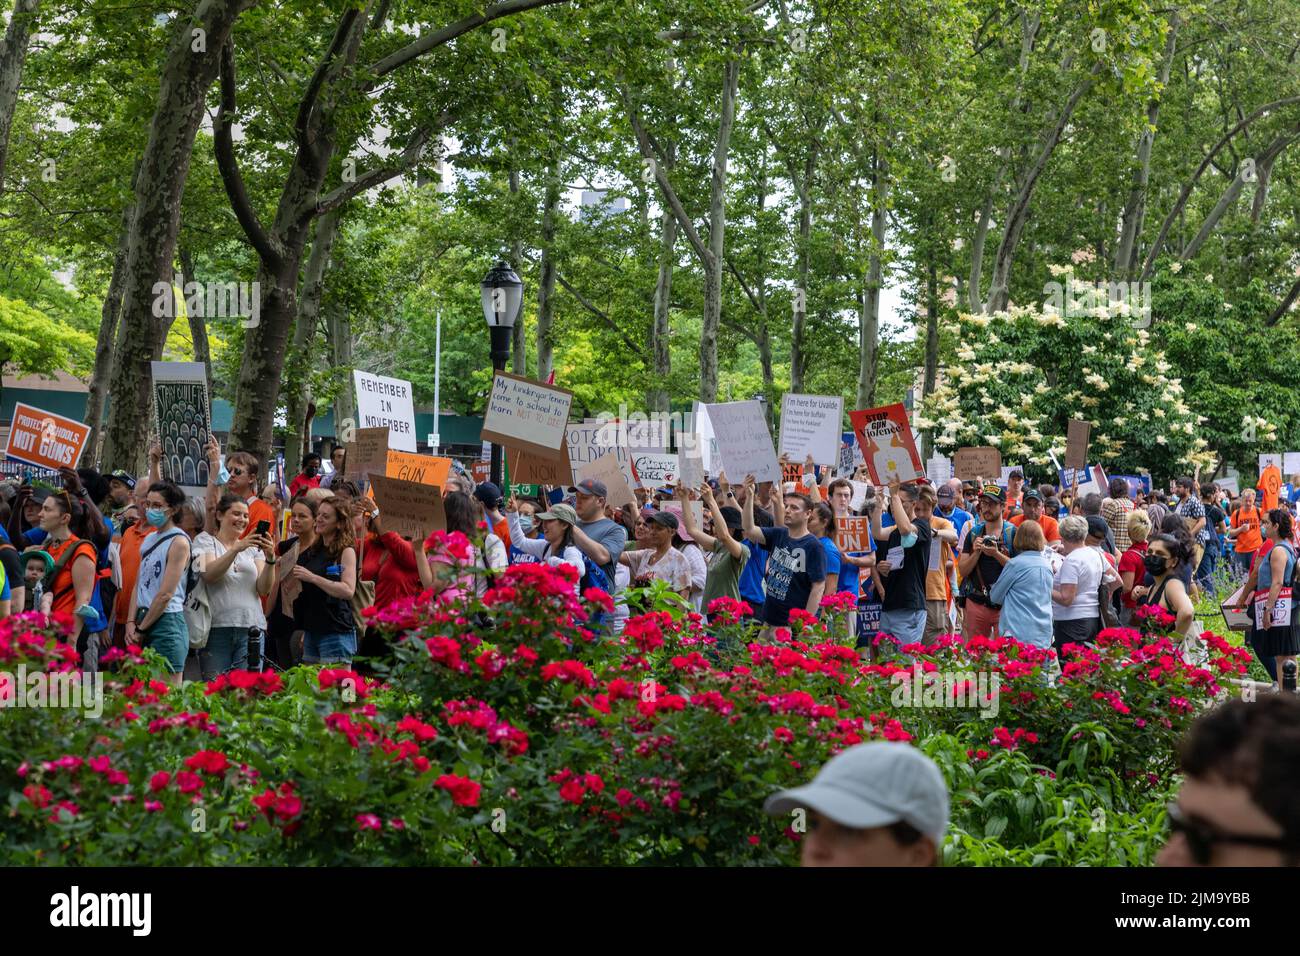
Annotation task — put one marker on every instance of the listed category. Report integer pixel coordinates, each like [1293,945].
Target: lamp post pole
[503,297]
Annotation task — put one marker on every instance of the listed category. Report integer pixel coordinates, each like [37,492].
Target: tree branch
[431,41]
[753,300]
[1285,305]
[302,124]
[376,177]
[600,314]
[228,165]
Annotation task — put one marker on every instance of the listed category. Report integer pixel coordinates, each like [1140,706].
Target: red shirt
[389,561]
[1131,560]
[302,483]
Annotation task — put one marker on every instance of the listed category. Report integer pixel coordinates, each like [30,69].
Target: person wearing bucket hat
[727,553]
[556,545]
[875,804]
[659,560]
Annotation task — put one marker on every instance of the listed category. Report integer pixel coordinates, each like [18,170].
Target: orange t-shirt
[65,595]
[129,562]
[502,531]
[1051,530]
[1270,483]
[1248,541]
[259,510]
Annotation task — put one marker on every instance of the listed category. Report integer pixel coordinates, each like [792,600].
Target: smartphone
[262,527]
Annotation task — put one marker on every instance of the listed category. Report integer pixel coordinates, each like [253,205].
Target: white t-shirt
[233,597]
[1084,568]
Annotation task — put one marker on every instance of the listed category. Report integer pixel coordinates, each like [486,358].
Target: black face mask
[1154,563]
[311,472]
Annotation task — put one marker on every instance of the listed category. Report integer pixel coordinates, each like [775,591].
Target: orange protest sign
[422,469]
[852,533]
[44,439]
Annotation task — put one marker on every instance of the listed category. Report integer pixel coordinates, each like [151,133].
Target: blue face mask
[156,516]
[526,523]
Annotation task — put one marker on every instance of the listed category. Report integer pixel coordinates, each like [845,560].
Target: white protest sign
[845,466]
[1229,485]
[860,489]
[654,468]
[939,469]
[1269,458]
[708,445]
[1291,463]
[690,465]
[384,402]
[743,441]
[527,415]
[810,425]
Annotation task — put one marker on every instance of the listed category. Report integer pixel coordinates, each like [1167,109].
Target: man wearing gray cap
[875,804]
[598,537]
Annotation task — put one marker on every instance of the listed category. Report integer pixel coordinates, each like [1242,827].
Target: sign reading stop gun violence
[887,446]
[527,415]
[407,507]
[810,425]
[44,439]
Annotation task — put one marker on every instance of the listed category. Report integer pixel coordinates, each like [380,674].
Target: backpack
[74,546]
[594,576]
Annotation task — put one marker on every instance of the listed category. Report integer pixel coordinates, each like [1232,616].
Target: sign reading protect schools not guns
[44,439]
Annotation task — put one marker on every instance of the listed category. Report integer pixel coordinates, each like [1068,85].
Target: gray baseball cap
[873,785]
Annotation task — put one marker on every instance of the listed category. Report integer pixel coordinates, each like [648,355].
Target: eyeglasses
[237,471]
[1202,836]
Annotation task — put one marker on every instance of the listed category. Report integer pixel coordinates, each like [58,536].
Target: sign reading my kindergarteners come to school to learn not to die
[386,403]
[44,439]
[527,415]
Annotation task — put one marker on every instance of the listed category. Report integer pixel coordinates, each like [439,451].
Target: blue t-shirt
[959,518]
[751,575]
[794,565]
[831,554]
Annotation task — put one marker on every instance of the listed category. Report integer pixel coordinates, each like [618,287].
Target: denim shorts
[329,648]
[171,638]
[905,624]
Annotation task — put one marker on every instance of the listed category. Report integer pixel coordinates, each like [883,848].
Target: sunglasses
[1202,837]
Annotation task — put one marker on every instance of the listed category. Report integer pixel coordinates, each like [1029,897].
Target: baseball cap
[665,518]
[1032,493]
[1017,474]
[945,493]
[873,785]
[590,486]
[124,477]
[1097,526]
[559,512]
[993,491]
[488,493]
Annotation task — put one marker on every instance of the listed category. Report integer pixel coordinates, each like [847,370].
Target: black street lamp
[503,296]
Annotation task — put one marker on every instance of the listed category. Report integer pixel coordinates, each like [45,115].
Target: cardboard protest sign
[691,468]
[887,446]
[1076,443]
[44,439]
[983,461]
[530,467]
[368,453]
[183,413]
[654,469]
[743,442]
[407,507]
[527,415]
[421,469]
[852,533]
[810,425]
[384,402]
[591,439]
[606,469]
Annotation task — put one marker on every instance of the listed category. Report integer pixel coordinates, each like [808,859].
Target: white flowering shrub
[1022,374]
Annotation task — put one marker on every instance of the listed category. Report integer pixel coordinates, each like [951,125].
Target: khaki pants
[936,619]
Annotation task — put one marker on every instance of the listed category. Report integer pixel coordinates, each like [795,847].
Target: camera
[989,541]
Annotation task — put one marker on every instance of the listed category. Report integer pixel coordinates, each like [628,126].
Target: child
[36,565]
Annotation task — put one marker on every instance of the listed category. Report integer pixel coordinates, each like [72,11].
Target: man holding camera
[985,553]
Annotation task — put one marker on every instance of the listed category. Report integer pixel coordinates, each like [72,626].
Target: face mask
[311,472]
[526,523]
[156,517]
[1154,563]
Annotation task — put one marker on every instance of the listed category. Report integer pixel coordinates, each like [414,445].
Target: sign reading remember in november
[527,415]
[386,403]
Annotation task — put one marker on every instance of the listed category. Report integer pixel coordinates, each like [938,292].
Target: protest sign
[407,507]
[654,469]
[691,467]
[606,469]
[1136,483]
[938,469]
[529,467]
[1230,485]
[983,461]
[384,402]
[522,491]
[1291,463]
[1270,458]
[887,446]
[368,453]
[810,425]
[183,413]
[44,439]
[845,467]
[527,415]
[860,489]
[1076,443]
[708,443]
[421,469]
[744,444]
[792,471]
[852,533]
[481,471]
[591,439]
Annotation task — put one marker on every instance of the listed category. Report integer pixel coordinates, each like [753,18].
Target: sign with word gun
[852,533]
[423,469]
[44,439]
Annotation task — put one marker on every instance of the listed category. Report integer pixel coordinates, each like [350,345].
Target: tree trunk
[519,335]
[797,357]
[546,287]
[13,55]
[931,344]
[108,319]
[1134,209]
[345,412]
[713,263]
[1230,195]
[197,320]
[299,364]
[186,77]
[869,319]
[660,344]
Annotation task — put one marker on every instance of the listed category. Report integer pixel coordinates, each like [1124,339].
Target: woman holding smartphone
[236,571]
[327,571]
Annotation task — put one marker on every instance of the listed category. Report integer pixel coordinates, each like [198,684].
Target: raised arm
[752,531]
[722,532]
[703,539]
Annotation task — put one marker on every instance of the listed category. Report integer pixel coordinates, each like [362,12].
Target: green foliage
[32,343]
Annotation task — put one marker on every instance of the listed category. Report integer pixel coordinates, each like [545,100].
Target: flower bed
[532,742]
